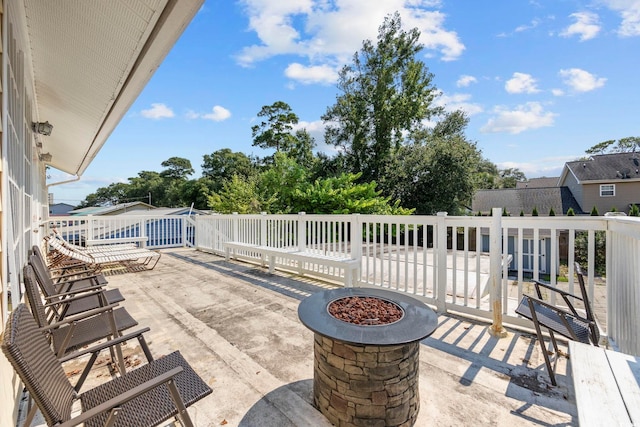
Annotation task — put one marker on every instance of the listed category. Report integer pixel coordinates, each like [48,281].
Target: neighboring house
[538,182]
[59,209]
[114,210]
[606,181]
[516,200]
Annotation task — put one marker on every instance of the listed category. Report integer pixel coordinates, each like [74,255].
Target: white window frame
[605,189]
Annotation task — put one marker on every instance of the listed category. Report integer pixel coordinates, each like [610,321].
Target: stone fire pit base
[366,385]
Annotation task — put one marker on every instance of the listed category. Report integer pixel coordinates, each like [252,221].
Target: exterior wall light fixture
[42,128]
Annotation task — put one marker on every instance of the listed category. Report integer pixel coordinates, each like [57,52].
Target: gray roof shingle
[525,199]
[607,167]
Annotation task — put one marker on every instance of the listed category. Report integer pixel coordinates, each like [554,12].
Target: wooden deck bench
[351,266]
[607,386]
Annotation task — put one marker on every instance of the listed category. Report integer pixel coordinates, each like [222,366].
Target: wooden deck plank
[626,369]
[597,395]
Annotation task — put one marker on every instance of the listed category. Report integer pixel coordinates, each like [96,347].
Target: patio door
[528,253]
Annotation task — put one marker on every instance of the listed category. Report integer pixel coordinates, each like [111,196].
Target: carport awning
[91,60]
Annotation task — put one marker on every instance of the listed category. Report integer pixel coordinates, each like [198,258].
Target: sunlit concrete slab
[238,327]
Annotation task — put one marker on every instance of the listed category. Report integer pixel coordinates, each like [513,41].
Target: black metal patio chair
[566,320]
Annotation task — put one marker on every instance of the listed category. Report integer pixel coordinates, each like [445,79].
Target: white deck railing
[449,262]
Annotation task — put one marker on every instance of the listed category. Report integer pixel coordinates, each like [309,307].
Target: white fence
[453,263]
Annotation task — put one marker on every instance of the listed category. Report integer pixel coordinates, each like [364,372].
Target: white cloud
[521,83]
[533,24]
[581,80]
[330,32]
[525,117]
[217,114]
[158,111]
[466,80]
[322,74]
[587,26]
[630,12]
[557,92]
[546,166]
[459,101]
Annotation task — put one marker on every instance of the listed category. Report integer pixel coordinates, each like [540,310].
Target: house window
[607,190]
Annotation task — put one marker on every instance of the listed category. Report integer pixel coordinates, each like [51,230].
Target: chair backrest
[33,296]
[42,275]
[28,351]
[62,246]
[587,304]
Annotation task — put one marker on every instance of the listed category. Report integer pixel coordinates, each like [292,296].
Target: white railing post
[495,290]
[90,228]
[356,246]
[235,227]
[263,229]
[441,245]
[302,231]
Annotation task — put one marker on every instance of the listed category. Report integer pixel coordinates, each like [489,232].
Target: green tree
[177,168]
[275,131]
[510,177]
[237,195]
[223,164]
[534,212]
[386,93]
[601,147]
[571,212]
[486,176]
[552,212]
[594,211]
[634,211]
[622,145]
[280,182]
[436,177]
[302,149]
[343,195]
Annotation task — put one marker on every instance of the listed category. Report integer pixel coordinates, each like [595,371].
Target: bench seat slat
[598,397]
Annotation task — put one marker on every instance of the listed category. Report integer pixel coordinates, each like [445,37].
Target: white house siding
[22,186]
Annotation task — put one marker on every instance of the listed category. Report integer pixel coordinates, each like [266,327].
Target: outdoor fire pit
[366,354]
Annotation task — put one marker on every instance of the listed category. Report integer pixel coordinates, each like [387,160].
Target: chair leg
[543,347]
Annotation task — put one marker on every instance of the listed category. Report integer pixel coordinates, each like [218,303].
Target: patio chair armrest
[75,294]
[124,397]
[80,316]
[75,276]
[564,294]
[548,286]
[103,345]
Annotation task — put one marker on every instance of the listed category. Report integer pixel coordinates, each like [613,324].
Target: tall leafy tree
[622,145]
[386,93]
[223,164]
[177,168]
[509,177]
[275,131]
[435,177]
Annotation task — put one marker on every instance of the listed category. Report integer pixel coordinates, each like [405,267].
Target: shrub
[552,212]
[594,212]
[570,212]
[534,212]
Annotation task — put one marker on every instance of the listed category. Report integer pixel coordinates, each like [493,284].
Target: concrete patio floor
[237,325]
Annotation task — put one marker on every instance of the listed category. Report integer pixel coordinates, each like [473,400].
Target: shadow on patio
[238,327]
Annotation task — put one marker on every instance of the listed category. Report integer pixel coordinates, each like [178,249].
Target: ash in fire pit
[365,310]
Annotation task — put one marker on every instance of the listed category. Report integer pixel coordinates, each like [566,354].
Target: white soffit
[91,59]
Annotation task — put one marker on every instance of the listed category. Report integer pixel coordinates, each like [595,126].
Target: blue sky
[541,80]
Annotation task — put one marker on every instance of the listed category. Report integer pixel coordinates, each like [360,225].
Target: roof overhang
[90,61]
